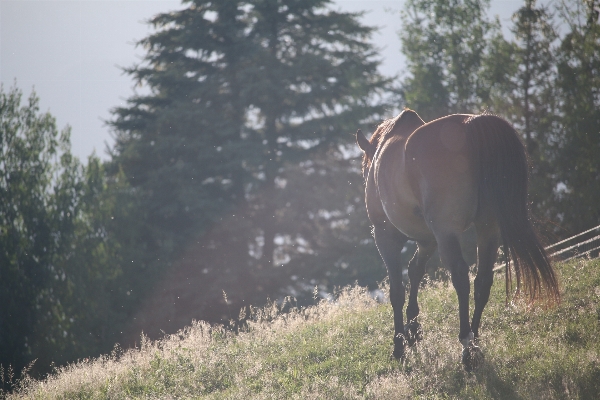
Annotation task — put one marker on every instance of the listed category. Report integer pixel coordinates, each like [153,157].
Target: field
[341,350]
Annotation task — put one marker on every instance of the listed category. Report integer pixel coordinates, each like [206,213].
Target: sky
[71,52]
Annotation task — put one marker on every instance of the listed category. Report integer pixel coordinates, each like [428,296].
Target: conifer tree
[446,43]
[577,146]
[244,97]
[311,83]
[535,35]
[523,73]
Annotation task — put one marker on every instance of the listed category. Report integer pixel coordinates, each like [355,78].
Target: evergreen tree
[178,146]
[577,142]
[183,146]
[533,95]
[245,97]
[446,43]
[523,72]
[313,77]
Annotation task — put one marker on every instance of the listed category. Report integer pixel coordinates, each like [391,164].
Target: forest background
[235,178]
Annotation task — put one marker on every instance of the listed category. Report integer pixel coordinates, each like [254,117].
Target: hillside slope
[342,350]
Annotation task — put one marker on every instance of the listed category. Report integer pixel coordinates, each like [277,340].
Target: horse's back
[442,170]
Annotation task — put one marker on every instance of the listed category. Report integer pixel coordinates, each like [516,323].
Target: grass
[341,350]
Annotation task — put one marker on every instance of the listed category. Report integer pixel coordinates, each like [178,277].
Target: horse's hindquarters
[441,167]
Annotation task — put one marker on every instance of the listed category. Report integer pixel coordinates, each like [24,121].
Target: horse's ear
[364,144]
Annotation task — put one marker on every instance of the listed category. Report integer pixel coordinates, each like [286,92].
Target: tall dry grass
[341,350]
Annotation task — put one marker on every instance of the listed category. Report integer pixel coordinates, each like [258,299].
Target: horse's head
[403,124]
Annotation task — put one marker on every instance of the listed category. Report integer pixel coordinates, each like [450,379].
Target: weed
[341,350]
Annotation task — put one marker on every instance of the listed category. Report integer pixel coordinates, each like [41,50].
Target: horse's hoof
[413,332]
[400,343]
[399,355]
[472,358]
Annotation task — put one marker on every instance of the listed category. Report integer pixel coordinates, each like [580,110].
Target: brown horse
[429,183]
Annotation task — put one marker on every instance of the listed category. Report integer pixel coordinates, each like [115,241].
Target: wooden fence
[584,244]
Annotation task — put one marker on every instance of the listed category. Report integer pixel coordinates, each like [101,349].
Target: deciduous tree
[56,259]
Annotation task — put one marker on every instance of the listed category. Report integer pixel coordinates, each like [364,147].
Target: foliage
[545,84]
[524,72]
[34,210]
[235,178]
[341,349]
[249,110]
[56,257]
[446,45]
[577,141]
[531,96]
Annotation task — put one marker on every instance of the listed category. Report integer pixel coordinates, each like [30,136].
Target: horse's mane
[384,129]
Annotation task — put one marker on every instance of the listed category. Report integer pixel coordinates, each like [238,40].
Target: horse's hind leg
[416,271]
[487,249]
[390,242]
[451,256]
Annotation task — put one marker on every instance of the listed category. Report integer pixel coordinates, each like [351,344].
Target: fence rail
[589,247]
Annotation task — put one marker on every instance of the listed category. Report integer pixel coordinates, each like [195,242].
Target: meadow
[341,350]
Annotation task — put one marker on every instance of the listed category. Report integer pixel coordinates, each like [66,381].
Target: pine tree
[446,43]
[244,97]
[178,145]
[523,72]
[312,81]
[535,35]
[577,142]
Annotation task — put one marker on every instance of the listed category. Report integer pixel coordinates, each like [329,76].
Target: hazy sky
[71,51]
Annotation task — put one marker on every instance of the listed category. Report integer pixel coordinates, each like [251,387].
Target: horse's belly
[394,196]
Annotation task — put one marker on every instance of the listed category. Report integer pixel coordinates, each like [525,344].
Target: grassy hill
[341,350]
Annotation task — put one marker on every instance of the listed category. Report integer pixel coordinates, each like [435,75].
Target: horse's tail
[503,174]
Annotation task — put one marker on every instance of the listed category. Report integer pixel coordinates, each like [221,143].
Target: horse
[429,182]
